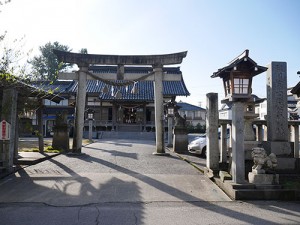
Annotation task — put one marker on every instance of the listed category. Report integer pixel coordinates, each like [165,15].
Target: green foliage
[49,147]
[46,66]
[83,51]
[196,129]
[292,185]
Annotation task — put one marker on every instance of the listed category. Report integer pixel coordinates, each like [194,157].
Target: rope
[118,84]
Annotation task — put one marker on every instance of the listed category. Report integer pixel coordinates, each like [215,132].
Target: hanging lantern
[112,90]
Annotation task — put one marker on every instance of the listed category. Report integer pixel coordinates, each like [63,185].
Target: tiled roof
[57,86]
[145,89]
[132,69]
[188,107]
[29,89]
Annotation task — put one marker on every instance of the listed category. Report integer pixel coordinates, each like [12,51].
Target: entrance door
[129,115]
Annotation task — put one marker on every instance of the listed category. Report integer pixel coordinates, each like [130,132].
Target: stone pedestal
[61,132]
[61,138]
[170,133]
[180,140]
[238,152]
[263,179]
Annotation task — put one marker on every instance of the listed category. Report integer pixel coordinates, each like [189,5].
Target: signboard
[4,130]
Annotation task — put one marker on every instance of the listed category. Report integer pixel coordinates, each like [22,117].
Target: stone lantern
[237,80]
[170,111]
[90,117]
[237,77]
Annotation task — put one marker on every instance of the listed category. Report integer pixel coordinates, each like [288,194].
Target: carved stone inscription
[277,102]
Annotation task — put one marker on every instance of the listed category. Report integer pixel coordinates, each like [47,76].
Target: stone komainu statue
[262,161]
[179,120]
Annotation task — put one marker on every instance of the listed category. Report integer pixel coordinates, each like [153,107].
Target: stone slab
[277,120]
[263,179]
[279,148]
[286,163]
[224,176]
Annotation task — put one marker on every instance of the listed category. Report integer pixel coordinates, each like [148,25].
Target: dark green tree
[83,51]
[46,66]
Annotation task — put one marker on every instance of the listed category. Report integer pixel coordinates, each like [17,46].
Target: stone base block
[268,186]
[263,179]
[224,176]
[286,163]
[180,143]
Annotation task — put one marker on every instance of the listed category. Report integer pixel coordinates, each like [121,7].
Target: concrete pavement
[110,171]
[122,182]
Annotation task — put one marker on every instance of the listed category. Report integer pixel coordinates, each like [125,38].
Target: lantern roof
[242,62]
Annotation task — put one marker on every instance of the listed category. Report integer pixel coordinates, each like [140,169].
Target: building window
[61,103]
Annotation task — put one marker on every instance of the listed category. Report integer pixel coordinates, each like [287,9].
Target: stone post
[223,155]
[296,140]
[114,118]
[170,131]
[277,121]
[80,107]
[259,133]
[90,130]
[144,118]
[40,126]
[212,122]
[9,113]
[159,109]
[238,153]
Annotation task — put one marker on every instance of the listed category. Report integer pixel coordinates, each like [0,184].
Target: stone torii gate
[84,60]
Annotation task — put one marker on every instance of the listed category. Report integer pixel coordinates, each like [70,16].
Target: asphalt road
[122,182]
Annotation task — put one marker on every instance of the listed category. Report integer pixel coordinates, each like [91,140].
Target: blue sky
[212,31]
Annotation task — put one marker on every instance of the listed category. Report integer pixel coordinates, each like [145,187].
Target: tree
[4,3]
[46,66]
[13,58]
[83,51]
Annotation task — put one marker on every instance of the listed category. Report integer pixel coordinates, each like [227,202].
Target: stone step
[128,135]
[253,192]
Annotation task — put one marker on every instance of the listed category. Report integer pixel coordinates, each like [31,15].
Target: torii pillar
[80,107]
[159,109]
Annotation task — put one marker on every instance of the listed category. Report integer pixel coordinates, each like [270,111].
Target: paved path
[110,171]
[122,182]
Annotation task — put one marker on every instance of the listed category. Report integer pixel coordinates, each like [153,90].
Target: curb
[186,160]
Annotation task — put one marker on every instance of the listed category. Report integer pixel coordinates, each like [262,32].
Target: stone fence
[260,134]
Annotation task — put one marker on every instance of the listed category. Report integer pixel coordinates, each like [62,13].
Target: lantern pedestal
[180,142]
